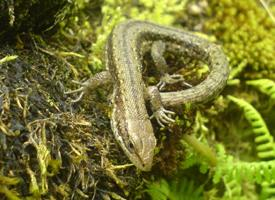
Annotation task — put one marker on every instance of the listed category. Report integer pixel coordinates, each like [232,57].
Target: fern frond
[264,140]
[231,169]
[185,190]
[181,189]
[266,86]
[224,161]
[158,190]
[253,172]
[233,189]
[236,71]
[268,191]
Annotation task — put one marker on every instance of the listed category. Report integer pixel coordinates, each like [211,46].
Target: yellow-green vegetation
[117,11]
[246,32]
[7,59]
[178,189]
[51,148]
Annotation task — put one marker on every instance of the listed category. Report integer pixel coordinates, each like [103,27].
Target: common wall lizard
[123,58]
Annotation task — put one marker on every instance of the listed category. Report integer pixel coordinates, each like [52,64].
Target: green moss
[117,11]
[246,32]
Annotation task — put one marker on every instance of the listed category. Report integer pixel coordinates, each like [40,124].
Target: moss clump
[113,12]
[246,31]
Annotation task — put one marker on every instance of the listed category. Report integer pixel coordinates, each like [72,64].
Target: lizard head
[138,142]
[141,143]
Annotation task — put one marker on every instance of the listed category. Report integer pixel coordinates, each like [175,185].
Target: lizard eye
[131,146]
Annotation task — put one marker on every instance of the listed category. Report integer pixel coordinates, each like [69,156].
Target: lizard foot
[98,79]
[171,79]
[81,90]
[162,117]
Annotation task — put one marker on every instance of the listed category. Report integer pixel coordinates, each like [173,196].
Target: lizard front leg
[159,112]
[157,51]
[95,81]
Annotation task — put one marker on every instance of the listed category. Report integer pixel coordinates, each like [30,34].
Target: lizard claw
[78,98]
[186,84]
[161,85]
[171,79]
[162,117]
[81,90]
[177,76]
[78,82]
[74,91]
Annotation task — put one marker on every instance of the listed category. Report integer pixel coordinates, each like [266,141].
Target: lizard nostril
[131,146]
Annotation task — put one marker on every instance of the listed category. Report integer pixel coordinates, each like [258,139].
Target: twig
[267,10]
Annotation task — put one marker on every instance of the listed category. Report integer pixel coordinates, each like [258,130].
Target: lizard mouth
[144,164]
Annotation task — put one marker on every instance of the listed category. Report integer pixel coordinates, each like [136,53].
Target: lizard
[125,48]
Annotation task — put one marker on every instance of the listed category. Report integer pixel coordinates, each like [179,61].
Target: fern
[176,190]
[232,186]
[236,71]
[159,190]
[264,140]
[266,86]
[268,190]
[254,172]
[224,162]
[233,189]
[233,171]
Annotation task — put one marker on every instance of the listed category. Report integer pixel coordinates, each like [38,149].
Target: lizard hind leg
[157,53]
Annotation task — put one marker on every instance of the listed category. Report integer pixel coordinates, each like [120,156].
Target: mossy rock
[52,148]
